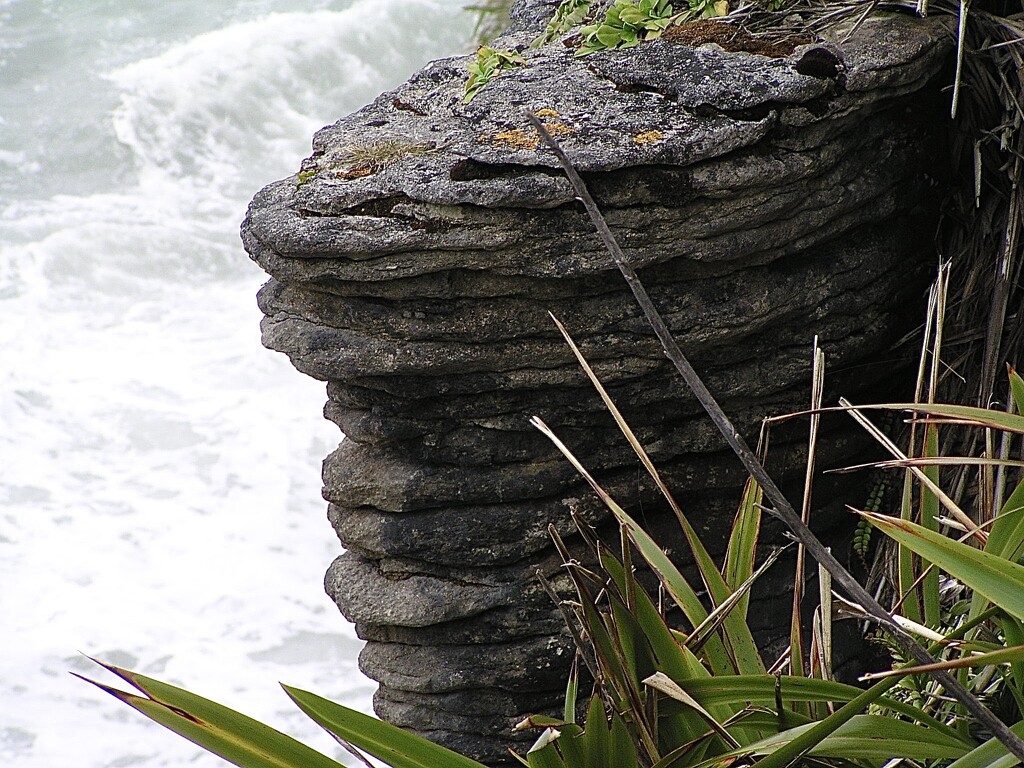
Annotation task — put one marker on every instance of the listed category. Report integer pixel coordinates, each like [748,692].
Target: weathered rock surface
[762,206]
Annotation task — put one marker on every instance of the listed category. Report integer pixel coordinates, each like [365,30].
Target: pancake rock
[414,261]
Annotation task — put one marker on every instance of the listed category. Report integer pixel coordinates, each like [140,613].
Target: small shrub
[489,63]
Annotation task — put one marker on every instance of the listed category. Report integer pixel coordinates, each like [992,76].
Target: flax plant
[700,693]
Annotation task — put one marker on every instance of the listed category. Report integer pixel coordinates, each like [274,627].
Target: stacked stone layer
[761,207]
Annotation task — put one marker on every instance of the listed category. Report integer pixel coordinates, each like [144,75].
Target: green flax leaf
[999,580]
[870,737]
[226,733]
[392,745]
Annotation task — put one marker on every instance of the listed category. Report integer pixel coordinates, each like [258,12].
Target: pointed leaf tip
[117,693]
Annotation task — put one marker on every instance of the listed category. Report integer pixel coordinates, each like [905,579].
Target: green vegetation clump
[567,16]
[489,63]
[305,175]
[626,24]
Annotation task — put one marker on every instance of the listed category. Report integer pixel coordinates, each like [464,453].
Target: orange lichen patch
[733,38]
[517,138]
[546,113]
[557,129]
[648,137]
[514,139]
[355,173]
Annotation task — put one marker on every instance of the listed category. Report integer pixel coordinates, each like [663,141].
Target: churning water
[159,470]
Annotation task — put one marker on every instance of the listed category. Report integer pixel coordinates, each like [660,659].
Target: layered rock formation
[416,257]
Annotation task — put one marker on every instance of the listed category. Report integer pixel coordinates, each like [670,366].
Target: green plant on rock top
[625,24]
[567,16]
[305,175]
[489,63]
[710,9]
[631,22]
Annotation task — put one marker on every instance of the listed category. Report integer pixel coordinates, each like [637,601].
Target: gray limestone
[763,202]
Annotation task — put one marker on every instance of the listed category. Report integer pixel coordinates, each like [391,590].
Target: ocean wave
[205,108]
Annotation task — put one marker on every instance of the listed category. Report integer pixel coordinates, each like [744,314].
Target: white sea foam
[159,470]
[195,110]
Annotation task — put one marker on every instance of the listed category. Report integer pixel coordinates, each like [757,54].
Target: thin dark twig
[782,508]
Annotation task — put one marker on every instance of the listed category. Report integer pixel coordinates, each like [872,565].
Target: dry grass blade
[823,635]
[926,481]
[868,10]
[796,664]
[1002,656]
[928,461]
[938,299]
[714,620]
[961,35]
[546,431]
[664,684]
[737,637]
[619,420]
[567,617]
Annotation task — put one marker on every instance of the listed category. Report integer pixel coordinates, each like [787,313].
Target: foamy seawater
[159,470]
